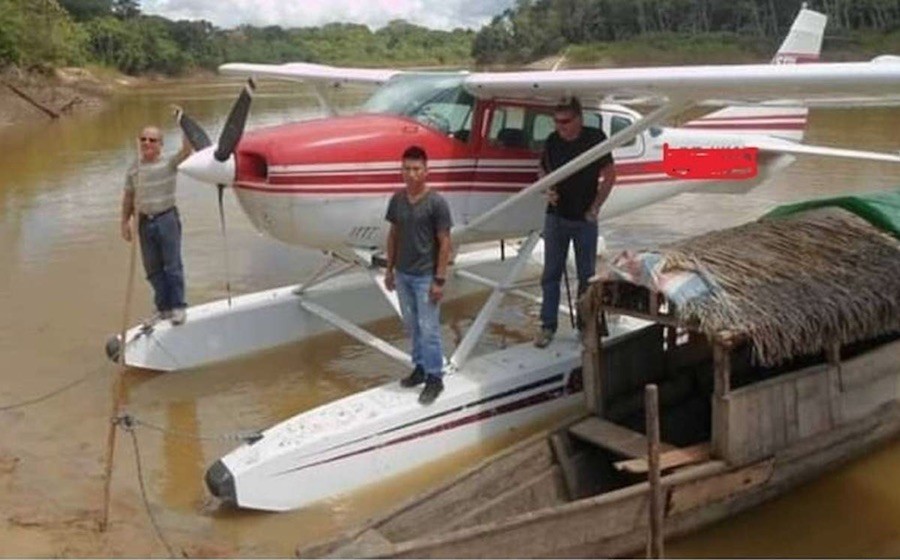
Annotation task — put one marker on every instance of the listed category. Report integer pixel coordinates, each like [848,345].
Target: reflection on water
[63,289]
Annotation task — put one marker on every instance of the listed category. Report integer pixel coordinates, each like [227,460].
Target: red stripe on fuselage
[332,183]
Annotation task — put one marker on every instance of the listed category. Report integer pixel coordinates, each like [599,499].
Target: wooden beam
[613,437]
[562,450]
[668,460]
[651,416]
[722,371]
[592,358]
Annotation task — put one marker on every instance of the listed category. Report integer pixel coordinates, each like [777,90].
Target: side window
[592,119]
[543,126]
[508,128]
[619,123]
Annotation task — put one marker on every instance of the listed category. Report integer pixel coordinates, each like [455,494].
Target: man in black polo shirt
[572,208]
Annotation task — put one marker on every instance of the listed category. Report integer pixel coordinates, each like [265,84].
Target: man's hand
[389,280]
[126,230]
[436,293]
[552,197]
[591,214]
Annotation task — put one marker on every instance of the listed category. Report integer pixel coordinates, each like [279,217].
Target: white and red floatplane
[325,183]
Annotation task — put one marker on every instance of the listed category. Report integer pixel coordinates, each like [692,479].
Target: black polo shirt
[577,192]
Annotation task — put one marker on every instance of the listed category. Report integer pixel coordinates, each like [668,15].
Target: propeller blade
[221,188]
[234,126]
[194,133]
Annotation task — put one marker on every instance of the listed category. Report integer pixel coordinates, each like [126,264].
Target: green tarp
[881,209]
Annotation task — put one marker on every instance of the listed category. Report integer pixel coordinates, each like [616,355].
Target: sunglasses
[149,139]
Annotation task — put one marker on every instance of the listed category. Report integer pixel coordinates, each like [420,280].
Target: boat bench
[633,445]
[615,438]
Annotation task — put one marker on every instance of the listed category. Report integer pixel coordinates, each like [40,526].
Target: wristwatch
[439,281]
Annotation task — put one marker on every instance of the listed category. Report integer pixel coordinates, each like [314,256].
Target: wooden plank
[563,452]
[679,457]
[662,319]
[369,544]
[613,437]
[701,492]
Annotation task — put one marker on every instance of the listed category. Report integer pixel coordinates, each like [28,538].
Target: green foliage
[11,29]
[39,33]
[537,28]
[84,10]
[116,34]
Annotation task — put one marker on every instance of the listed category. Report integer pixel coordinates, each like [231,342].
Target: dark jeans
[558,232]
[160,237]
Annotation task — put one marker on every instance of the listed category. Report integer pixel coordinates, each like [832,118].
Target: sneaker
[178,316]
[151,321]
[543,338]
[417,377]
[433,387]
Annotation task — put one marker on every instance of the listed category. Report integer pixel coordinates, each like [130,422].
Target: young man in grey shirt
[150,194]
[418,251]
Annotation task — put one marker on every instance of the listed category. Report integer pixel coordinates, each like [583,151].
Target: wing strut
[473,335]
[460,233]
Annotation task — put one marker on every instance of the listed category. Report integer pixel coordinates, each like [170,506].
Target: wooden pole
[118,385]
[651,407]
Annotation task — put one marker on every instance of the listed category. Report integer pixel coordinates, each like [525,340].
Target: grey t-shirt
[418,225]
[155,192]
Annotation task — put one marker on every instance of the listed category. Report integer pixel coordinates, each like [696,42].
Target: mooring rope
[126,423]
[54,392]
[244,436]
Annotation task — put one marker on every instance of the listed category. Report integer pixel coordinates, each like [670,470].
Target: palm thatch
[794,285]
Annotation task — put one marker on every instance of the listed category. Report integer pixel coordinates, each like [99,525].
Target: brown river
[63,290]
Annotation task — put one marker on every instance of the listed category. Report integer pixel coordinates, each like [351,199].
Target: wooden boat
[788,365]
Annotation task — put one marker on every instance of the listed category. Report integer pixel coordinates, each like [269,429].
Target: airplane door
[507,162]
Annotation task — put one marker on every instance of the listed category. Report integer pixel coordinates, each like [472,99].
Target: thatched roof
[793,285]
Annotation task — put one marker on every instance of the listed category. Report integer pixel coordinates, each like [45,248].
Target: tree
[126,9]
[84,10]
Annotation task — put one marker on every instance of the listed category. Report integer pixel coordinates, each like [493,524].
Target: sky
[436,14]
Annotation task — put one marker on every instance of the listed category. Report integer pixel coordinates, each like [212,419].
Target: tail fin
[802,44]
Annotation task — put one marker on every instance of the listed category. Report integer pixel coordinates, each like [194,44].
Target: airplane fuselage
[325,183]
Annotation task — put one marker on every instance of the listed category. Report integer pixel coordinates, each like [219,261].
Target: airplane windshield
[436,100]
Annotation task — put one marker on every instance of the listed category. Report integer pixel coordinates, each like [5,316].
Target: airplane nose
[203,166]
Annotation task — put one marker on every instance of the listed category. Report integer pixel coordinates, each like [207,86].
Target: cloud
[436,14]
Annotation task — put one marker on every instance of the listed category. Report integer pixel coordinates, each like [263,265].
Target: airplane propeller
[220,168]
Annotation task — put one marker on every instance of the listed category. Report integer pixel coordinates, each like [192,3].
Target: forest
[42,34]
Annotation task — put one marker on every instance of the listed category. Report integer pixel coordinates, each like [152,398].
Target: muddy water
[62,292]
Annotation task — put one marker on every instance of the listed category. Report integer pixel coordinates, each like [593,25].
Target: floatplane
[324,184]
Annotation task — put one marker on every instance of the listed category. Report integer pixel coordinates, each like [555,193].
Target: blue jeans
[558,232]
[161,252]
[422,320]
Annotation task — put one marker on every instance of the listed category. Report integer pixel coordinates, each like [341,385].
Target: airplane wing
[306,72]
[748,83]
[678,87]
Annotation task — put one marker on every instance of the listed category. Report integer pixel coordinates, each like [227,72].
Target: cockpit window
[437,101]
